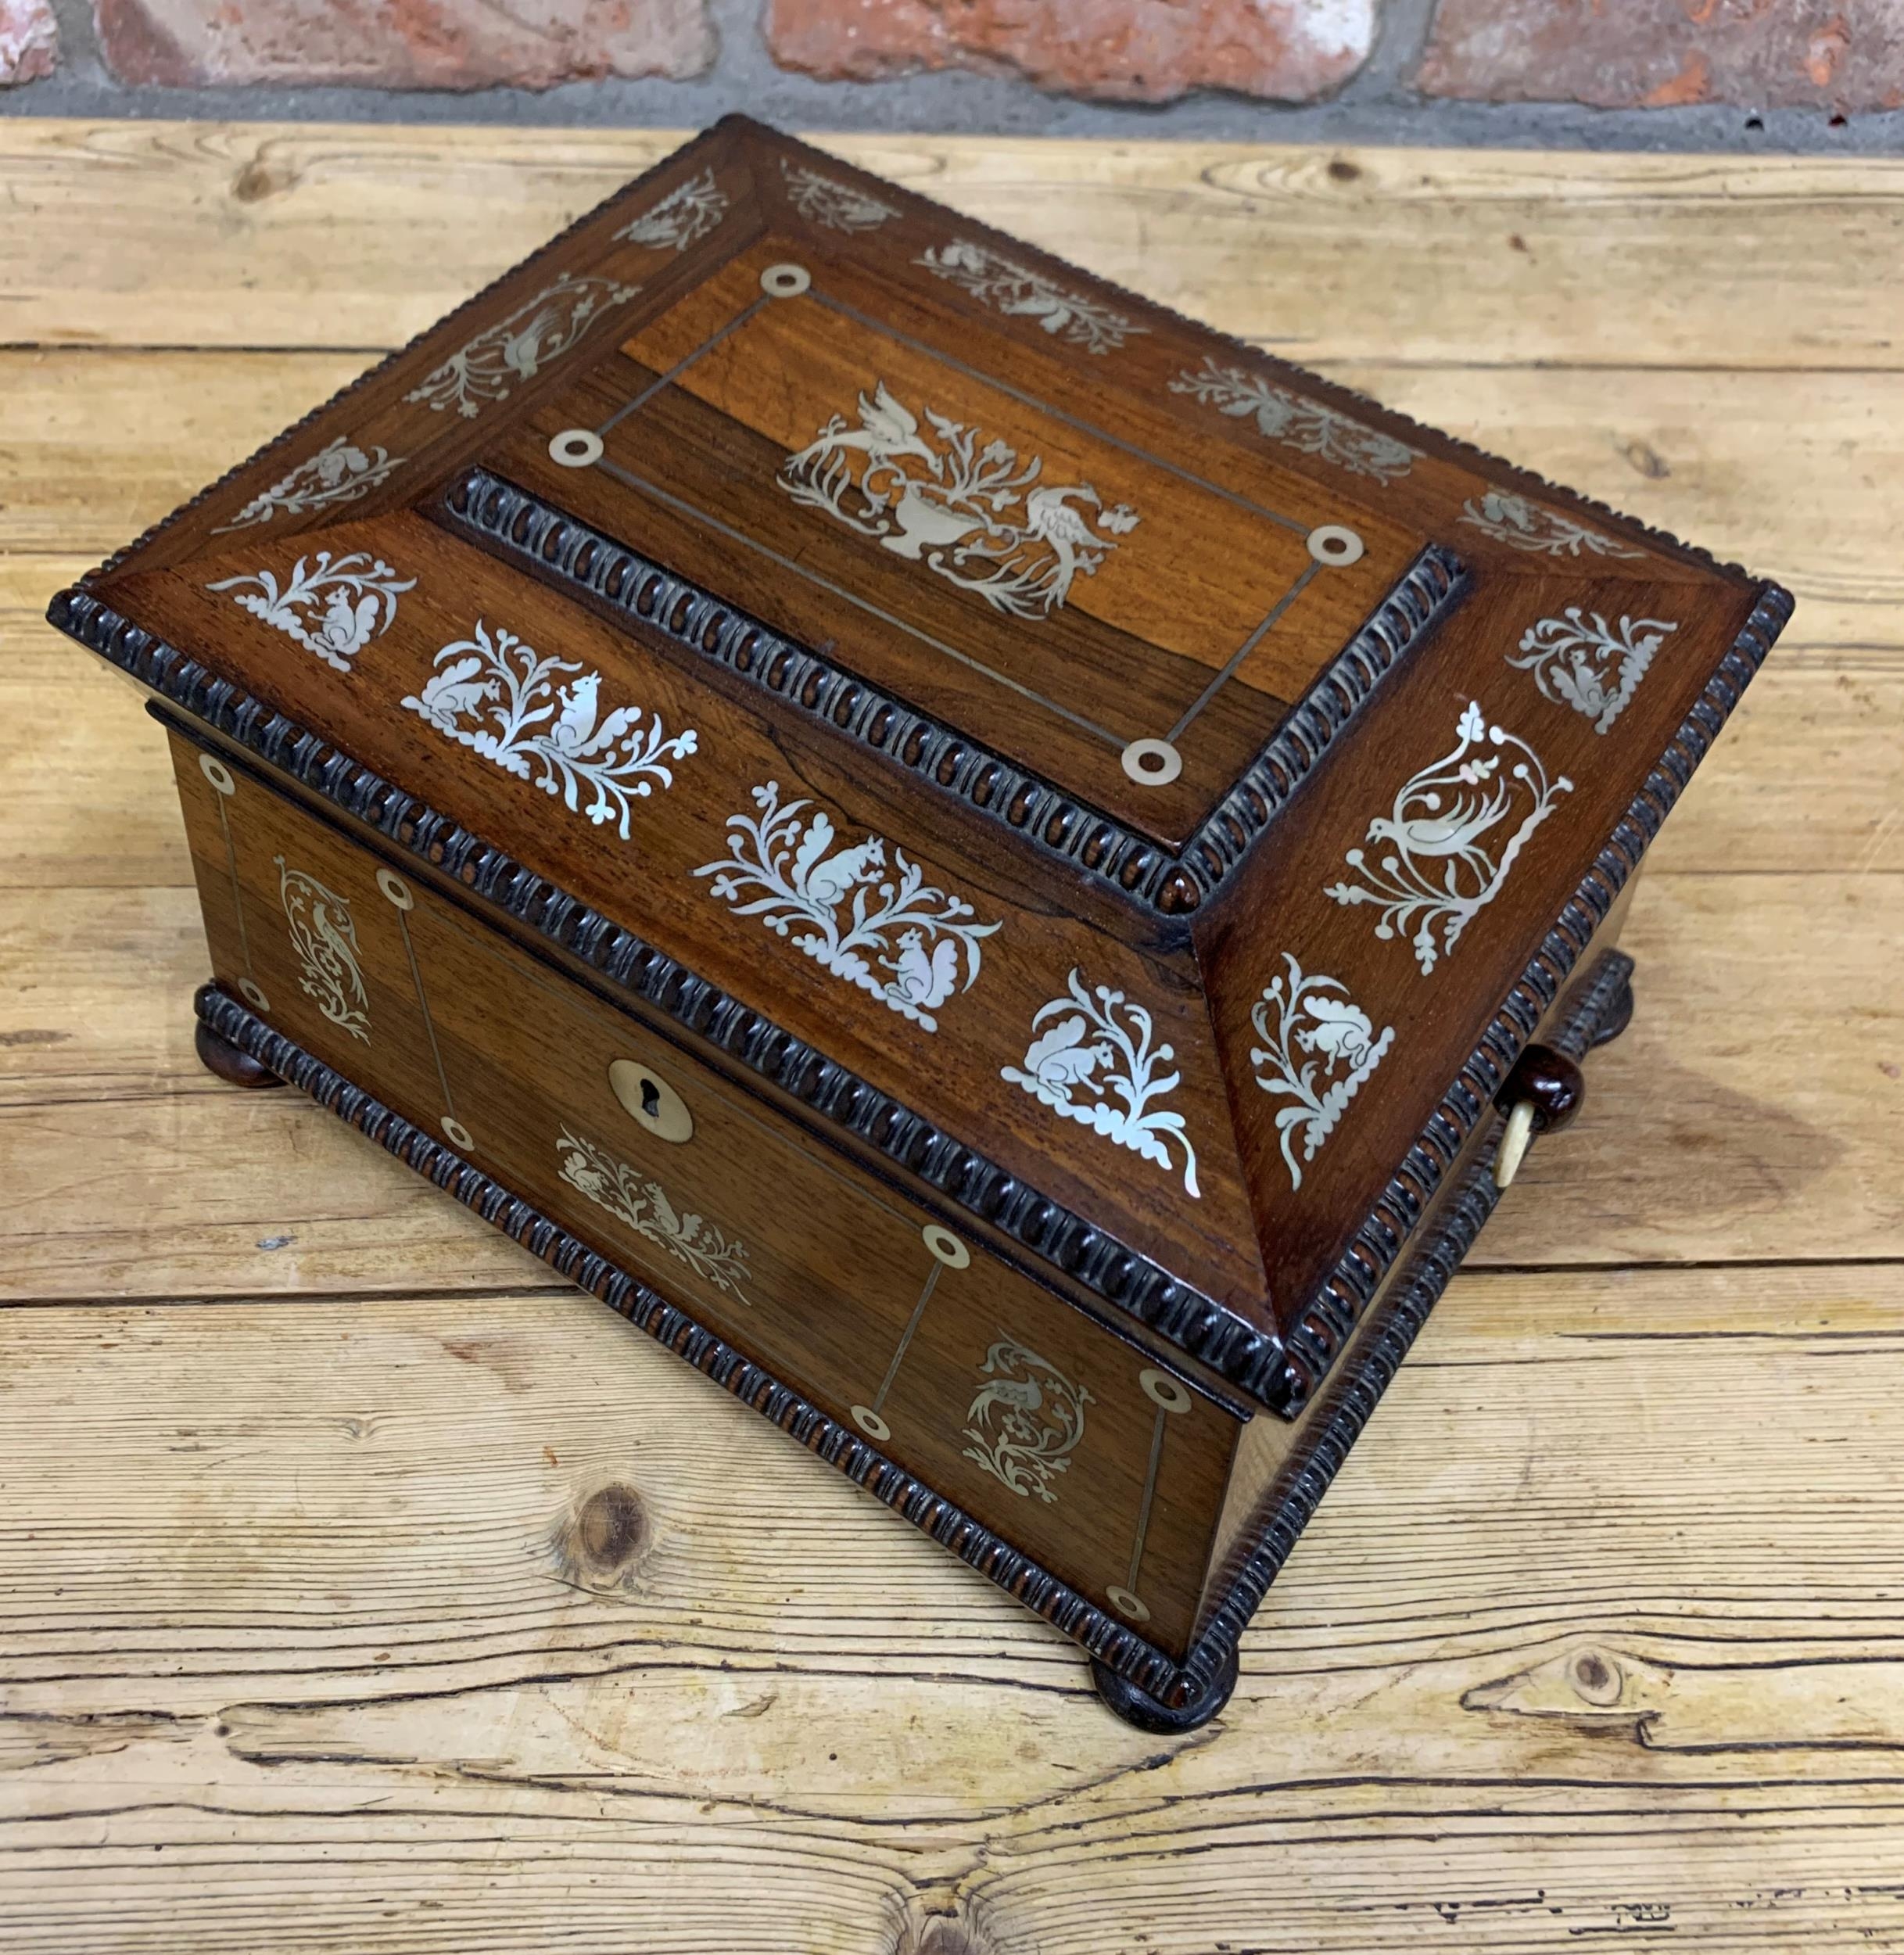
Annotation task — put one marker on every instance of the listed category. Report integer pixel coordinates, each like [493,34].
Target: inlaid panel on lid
[1090,592]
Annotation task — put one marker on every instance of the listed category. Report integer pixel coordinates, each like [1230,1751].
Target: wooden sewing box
[1004,874]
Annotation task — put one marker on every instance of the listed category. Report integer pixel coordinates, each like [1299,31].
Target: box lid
[1145,791]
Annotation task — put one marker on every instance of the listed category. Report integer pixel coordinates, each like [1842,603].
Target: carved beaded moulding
[977,857]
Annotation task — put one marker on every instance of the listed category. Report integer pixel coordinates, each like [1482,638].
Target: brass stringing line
[1249,645]
[674,372]
[429,1023]
[912,1324]
[238,894]
[911,631]
[1143,1510]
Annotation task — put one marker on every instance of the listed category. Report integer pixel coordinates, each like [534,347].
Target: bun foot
[234,1067]
[1618,1018]
[1139,1707]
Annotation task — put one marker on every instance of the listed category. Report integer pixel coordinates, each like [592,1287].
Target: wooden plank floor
[307,1641]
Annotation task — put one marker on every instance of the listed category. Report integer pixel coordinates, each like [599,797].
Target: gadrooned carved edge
[1319,1331]
[557,543]
[1603,1000]
[950,1526]
[1247,1357]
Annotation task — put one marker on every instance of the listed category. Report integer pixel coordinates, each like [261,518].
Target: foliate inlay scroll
[340,472]
[1010,288]
[324,939]
[498,695]
[1439,870]
[1318,1048]
[535,335]
[684,217]
[891,934]
[968,513]
[1094,1064]
[1305,425]
[1573,659]
[1512,519]
[825,201]
[1027,1423]
[358,593]
[642,1204]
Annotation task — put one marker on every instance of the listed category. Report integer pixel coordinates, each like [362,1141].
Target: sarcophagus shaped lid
[1140,788]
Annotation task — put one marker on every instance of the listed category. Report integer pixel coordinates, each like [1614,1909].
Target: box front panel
[1072,1444]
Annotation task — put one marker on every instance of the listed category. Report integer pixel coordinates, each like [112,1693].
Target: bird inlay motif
[970,514]
[883,928]
[1438,868]
[497,694]
[1025,1425]
[323,939]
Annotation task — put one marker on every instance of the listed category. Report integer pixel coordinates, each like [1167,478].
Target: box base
[1135,1680]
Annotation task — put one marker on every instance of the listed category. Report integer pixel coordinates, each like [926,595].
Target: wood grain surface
[361,1589]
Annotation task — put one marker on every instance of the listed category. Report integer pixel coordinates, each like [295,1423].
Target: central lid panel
[956,525]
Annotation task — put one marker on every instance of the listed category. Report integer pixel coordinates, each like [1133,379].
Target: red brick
[1843,55]
[29,41]
[1125,50]
[401,43]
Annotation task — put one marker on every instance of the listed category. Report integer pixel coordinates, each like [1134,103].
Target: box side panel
[1275,1457]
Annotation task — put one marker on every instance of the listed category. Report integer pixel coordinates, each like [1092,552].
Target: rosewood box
[1006,874]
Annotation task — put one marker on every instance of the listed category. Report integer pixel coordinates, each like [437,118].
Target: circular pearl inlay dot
[1162,1389]
[947,1246]
[1331,543]
[1153,763]
[1127,1604]
[575,448]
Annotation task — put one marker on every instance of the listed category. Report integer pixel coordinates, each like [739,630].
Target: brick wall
[1839,58]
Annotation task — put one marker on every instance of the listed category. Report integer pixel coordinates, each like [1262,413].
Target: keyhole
[652,1100]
